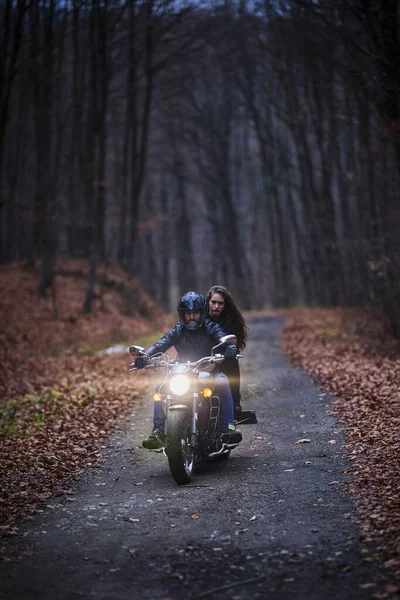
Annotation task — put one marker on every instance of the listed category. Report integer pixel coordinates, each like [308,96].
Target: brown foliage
[58,399]
[349,354]
[30,335]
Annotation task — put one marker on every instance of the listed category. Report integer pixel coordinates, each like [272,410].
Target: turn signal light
[157,397]
[207,393]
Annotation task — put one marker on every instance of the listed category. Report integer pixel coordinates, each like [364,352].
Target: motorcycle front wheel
[179,451]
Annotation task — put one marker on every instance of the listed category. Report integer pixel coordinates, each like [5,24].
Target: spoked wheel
[179,451]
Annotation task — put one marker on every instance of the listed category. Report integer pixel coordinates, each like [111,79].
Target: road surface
[273,522]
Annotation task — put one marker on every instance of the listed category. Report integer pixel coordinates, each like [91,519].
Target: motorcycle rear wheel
[179,451]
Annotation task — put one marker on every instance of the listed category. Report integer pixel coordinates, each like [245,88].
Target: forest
[250,143]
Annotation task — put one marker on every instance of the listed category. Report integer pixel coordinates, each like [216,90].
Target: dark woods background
[253,144]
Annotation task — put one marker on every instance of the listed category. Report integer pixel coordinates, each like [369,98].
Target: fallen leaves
[36,464]
[303,441]
[360,365]
[58,406]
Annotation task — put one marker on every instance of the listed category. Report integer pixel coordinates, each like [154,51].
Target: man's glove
[230,352]
[141,361]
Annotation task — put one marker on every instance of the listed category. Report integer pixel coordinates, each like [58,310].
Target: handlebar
[133,368]
[216,358]
[163,361]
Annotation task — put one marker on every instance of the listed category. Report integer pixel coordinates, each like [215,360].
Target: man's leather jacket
[191,345]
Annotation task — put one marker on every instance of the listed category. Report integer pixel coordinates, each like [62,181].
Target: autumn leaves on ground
[350,355]
[60,398]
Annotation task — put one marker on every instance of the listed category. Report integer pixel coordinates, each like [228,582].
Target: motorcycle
[192,411]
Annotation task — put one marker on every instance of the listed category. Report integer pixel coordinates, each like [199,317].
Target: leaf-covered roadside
[350,355]
[72,417]
[58,399]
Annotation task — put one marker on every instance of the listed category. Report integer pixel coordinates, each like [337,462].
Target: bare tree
[12,16]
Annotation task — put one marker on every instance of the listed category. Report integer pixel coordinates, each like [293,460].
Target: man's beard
[192,324]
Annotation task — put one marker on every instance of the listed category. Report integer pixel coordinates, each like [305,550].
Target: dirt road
[274,521]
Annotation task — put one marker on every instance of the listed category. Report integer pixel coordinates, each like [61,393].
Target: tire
[179,451]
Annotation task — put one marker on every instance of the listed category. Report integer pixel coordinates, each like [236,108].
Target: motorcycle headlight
[179,385]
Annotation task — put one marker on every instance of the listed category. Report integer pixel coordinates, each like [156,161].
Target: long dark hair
[232,313]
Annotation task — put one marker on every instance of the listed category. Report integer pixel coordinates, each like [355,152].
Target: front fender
[178,407]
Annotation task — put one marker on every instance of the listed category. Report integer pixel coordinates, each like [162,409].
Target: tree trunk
[139,135]
[10,43]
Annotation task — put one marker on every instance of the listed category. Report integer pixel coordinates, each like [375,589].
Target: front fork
[193,438]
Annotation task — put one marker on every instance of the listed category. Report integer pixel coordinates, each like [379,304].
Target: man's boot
[231,435]
[155,441]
